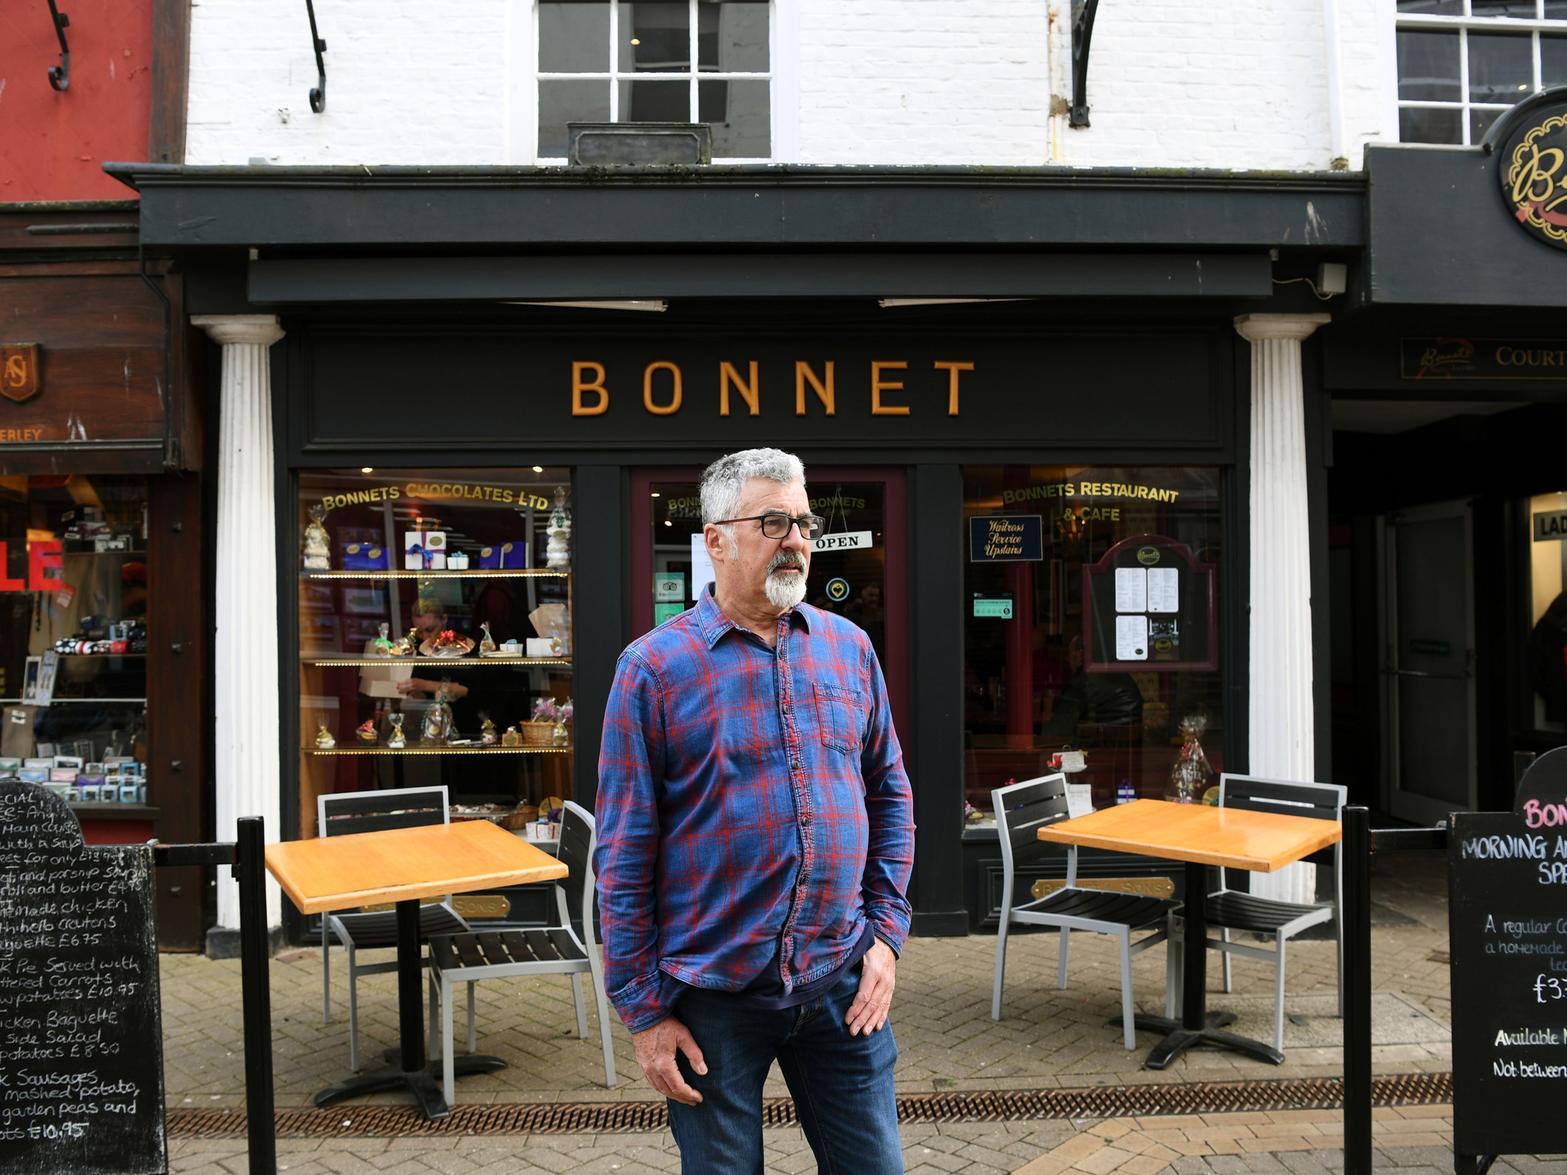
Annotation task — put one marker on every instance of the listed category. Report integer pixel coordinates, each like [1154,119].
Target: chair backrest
[1022,809]
[575,851]
[374,811]
[1287,797]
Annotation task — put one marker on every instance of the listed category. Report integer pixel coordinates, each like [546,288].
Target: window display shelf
[472,573]
[319,751]
[76,701]
[429,662]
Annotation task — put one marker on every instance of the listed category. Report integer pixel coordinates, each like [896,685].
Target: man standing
[755,838]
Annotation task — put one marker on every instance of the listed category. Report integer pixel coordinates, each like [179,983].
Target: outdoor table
[1202,836]
[405,865]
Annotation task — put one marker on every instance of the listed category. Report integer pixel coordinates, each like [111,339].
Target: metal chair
[1229,909]
[372,811]
[1022,809]
[566,948]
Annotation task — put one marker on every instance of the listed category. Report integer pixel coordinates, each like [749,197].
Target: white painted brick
[1225,83]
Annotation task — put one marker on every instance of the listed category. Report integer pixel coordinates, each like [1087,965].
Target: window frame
[777,57]
[1464,25]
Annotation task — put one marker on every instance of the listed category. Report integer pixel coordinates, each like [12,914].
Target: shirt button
[786,708]
[805,818]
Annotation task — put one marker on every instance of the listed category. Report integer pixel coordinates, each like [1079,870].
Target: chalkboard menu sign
[81,1049]
[1507,910]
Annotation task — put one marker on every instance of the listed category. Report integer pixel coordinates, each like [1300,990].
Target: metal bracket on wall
[60,75]
[1083,13]
[318,91]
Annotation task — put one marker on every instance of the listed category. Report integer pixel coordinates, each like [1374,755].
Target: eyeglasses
[776,524]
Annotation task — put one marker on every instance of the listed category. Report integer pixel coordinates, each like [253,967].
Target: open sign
[849,540]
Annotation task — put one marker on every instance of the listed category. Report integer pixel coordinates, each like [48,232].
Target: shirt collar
[714,623]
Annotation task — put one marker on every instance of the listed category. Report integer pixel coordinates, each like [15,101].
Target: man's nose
[794,542]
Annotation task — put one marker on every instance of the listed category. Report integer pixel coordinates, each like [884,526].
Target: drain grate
[1105,1101]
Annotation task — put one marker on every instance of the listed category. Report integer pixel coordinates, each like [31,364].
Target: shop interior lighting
[366,469]
[892,303]
[650,305]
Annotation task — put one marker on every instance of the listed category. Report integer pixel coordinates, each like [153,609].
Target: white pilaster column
[1280,713]
[245,652]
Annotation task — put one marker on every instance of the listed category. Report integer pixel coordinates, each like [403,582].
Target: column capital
[1257,327]
[260,329]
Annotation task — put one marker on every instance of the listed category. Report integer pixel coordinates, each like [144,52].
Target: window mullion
[1463,84]
[614,61]
[694,63]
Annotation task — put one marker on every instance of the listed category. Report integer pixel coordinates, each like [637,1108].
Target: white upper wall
[1226,84]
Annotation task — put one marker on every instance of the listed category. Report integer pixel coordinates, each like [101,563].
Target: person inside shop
[1547,650]
[1110,698]
[749,767]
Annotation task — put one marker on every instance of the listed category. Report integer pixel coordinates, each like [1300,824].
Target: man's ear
[713,539]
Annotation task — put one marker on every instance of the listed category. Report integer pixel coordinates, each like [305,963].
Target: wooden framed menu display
[81,1039]
[1149,605]
[1507,911]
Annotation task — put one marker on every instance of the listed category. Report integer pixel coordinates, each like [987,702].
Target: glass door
[858,567]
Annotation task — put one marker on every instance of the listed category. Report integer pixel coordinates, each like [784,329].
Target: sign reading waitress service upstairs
[1507,911]
[1532,167]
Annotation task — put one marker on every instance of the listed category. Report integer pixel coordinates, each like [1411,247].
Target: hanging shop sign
[20,377]
[1488,360]
[1550,526]
[1006,538]
[1532,168]
[853,540]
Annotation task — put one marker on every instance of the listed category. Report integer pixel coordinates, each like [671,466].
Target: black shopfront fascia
[454,392]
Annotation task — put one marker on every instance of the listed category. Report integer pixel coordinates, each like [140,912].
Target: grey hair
[724,480]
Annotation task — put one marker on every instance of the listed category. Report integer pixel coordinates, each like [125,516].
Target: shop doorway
[1427,662]
[859,568]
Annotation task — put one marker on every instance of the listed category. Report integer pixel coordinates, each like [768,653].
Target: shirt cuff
[638,1003]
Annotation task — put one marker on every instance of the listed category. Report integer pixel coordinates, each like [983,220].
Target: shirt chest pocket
[840,717]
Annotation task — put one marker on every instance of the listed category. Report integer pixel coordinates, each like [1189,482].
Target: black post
[1356,860]
[257,996]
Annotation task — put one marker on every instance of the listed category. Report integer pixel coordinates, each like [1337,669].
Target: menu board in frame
[1150,606]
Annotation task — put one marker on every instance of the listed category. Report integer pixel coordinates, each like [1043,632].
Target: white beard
[783,592]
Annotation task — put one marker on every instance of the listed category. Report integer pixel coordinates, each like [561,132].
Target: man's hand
[656,1047]
[878,976]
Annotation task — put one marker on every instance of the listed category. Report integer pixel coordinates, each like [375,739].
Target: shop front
[1039,488]
[102,674]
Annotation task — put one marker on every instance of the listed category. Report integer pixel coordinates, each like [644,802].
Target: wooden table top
[1232,837]
[399,864]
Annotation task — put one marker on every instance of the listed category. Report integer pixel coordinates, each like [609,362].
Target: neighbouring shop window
[1461,63]
[1111,670]
[435,637]
[848,563]
[73,637]
[685,61]
[1545,659]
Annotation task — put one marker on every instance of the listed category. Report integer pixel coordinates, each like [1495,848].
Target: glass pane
[732,37]
[1519,8]
[1480,121]
[1030,689]
[655,38]
[1545,668]
[561,102]
[73,637]
[1429,126]
[1553,61]
[1500,67]
[1432,7]
[1556,9]
[650,101]
[429,679]
[573,38]
[1428,65]
[740,115]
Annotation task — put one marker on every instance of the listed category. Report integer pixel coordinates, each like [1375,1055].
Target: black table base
[407,1068]
[1197,1026]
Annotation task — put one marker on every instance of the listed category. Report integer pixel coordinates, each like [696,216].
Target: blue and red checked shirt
[753,810]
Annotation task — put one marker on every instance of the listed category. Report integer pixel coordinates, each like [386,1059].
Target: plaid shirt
[752,807]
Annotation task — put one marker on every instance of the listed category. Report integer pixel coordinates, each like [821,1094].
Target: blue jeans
[842,1084]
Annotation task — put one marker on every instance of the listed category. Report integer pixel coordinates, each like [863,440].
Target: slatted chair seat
[1022,809]
[1241,911]
[566,948]
[342,813]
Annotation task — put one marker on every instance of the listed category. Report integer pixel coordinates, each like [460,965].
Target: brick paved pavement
[1047,1039]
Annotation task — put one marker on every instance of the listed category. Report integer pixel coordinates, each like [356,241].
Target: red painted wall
[52,144]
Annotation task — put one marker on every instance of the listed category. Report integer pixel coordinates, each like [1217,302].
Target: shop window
[435,637]
[73,638]
[1545,660]
[685,61]
[1461,63]
[1090,625]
